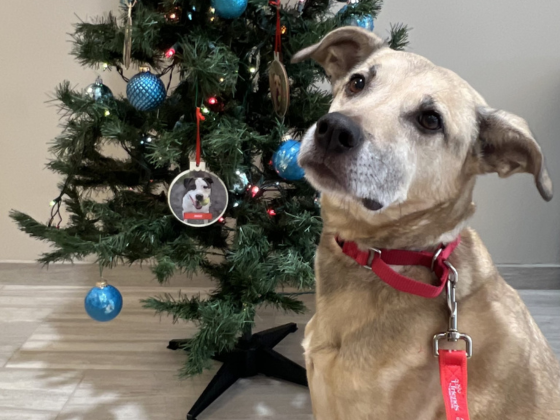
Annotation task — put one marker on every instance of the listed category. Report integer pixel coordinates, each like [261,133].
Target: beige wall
[34,42]
[507,49]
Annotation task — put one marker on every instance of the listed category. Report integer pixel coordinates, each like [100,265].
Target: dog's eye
[430,120]
[357,83]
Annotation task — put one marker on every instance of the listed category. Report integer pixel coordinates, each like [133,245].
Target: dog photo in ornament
[198,198]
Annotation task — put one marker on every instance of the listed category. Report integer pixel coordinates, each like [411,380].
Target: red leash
[452,363]
[453,378]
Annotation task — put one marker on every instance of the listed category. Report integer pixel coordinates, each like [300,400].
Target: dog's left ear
[208,180]
[342,49]
[509,147]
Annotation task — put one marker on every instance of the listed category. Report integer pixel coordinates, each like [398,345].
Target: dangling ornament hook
[127,50]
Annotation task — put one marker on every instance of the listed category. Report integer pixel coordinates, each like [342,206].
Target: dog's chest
[354,381]
[370,352]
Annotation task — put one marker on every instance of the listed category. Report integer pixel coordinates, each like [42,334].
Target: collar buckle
[371,257]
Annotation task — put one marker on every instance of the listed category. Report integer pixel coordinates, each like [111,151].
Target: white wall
[507,49]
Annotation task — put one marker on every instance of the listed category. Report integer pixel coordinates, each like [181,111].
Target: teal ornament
[240,183]
[285,161]
[362,21]
[146,91]
[98,91]
[103,302]
[229,9]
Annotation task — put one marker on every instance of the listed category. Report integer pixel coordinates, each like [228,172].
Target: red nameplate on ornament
[197,216]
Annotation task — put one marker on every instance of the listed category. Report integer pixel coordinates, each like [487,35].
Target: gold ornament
[279,86]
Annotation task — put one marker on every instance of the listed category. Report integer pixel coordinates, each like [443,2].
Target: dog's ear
[509,147]
[341,50]
[187,182]
[208,180]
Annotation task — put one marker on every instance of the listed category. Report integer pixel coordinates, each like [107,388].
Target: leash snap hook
[452,334]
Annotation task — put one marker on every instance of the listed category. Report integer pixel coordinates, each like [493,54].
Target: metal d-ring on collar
[452,334]
[371,257]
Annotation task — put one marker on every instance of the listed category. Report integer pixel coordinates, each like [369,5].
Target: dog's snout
[337,133]
[199,197]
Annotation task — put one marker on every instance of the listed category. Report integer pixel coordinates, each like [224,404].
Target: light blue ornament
[285,161]
[98,91]
[104,302]
[229,9]
[146,91]
[240,184]
[362,21]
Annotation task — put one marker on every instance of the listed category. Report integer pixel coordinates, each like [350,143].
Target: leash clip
[452,334]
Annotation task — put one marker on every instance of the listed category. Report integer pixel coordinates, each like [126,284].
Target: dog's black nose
[199,197]
[337,133]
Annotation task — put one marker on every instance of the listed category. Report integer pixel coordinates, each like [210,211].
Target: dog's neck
[404,226]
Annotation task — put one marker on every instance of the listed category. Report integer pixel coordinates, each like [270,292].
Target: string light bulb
[221,220]
[107,113]
[284,29]
[170,52]
[213,100]
[255,190]
[174,15]
[252,69]
[271,212]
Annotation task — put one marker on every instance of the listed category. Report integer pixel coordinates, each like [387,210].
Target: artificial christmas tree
[266,238]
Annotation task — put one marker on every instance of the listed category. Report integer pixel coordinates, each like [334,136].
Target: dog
[197,197]
[395,161]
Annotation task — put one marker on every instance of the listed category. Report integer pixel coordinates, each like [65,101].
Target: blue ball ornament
[146,91]
[362,21]
[285,161]
[103,303]
[229,9]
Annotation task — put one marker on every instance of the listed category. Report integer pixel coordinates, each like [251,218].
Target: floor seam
[71,395]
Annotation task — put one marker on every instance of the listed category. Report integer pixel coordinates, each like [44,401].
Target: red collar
[378,260]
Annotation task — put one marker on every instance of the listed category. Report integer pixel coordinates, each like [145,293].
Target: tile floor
[57,364]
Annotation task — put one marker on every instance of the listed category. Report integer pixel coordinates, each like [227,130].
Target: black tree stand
[253,354]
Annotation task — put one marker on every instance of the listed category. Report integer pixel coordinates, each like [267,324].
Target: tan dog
[396,161]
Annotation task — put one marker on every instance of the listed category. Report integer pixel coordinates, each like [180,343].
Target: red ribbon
[278,38]
[453,378]
[199,117]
